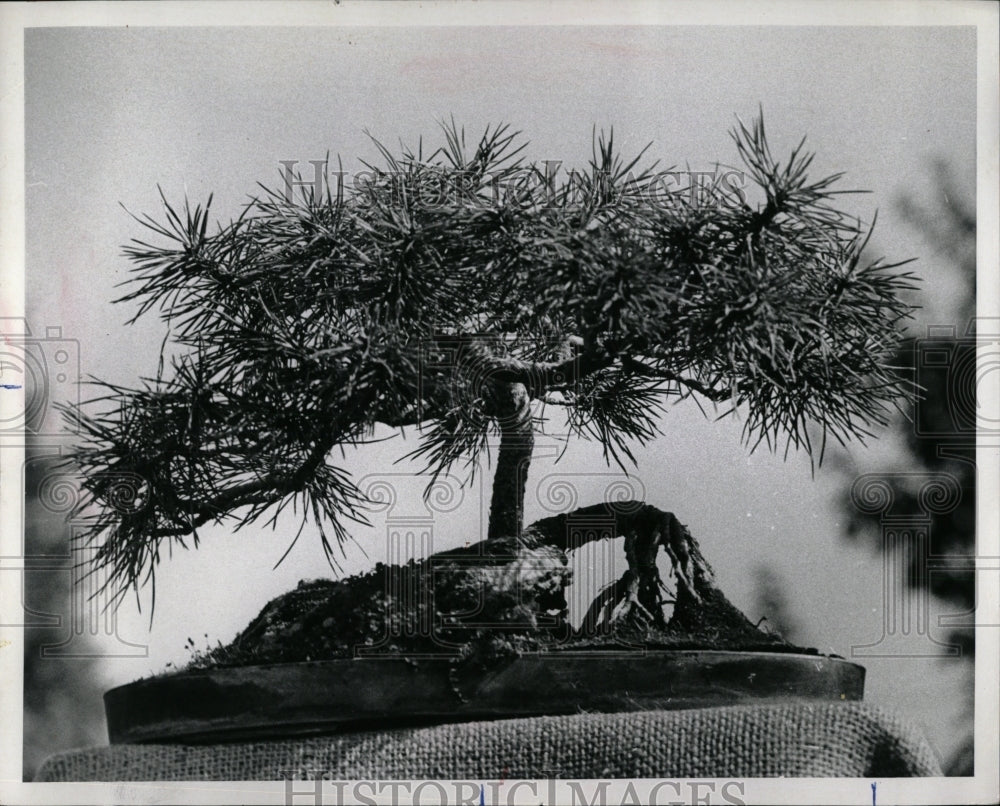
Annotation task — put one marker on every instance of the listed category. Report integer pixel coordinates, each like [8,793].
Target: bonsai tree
[461,292]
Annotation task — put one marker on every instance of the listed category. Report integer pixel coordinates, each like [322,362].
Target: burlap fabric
[788,739]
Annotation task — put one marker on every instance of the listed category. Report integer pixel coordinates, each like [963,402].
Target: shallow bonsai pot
[294,699]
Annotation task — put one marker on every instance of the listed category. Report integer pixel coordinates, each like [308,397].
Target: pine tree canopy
[407,298]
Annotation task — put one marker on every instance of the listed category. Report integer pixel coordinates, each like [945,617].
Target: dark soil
[483,604]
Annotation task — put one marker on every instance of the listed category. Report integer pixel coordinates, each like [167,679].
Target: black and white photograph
[499,403]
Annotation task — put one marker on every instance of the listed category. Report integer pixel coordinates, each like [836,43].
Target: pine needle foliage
[298,327]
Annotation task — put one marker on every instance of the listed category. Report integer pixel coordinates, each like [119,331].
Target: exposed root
[631,609]
[701,610]
[689,565]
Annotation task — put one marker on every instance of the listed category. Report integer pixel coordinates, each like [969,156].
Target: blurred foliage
[939,439]
[63,706]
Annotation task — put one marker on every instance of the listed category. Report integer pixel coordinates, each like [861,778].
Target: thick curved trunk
[517,438]
[639,594]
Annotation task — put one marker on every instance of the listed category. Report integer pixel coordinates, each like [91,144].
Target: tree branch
[258,491]
[710,392]
[542,376]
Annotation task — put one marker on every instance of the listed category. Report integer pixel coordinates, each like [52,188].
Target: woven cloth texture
[759,741]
